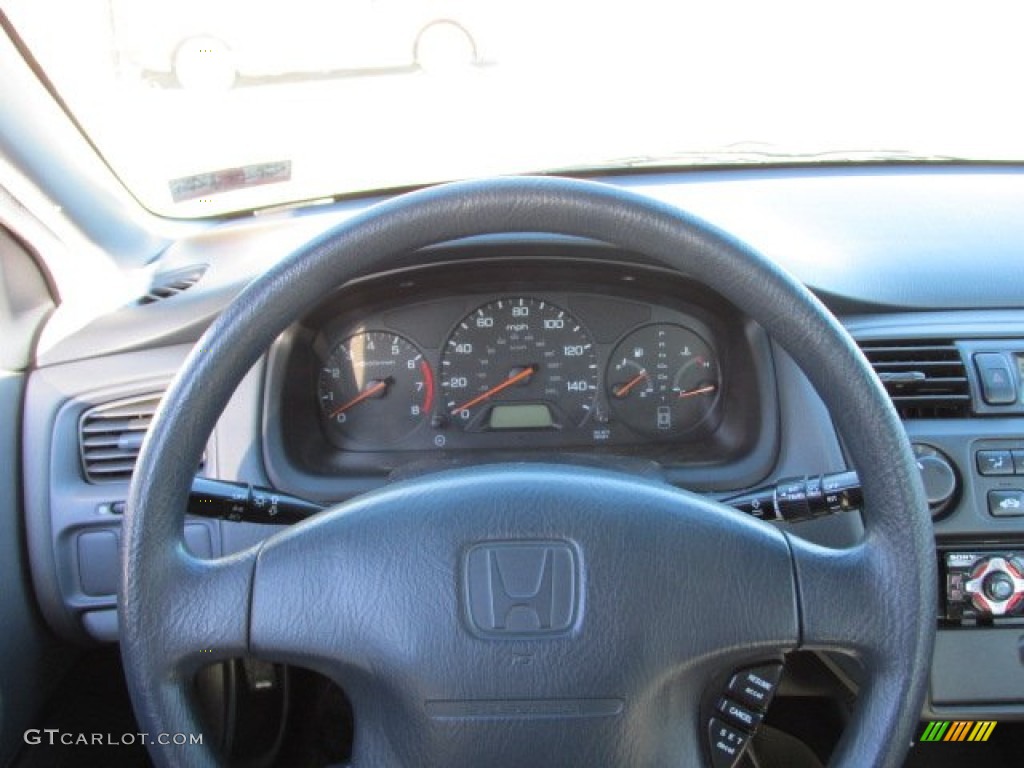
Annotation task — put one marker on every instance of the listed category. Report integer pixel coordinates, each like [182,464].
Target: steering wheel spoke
[850,603]
[839,591]
[206,609]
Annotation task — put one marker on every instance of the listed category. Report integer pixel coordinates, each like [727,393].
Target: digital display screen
[525,416]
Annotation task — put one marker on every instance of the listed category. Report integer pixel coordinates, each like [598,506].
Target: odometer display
[518,351]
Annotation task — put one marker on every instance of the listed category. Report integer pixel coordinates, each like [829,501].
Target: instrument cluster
[517,365]
[462,361]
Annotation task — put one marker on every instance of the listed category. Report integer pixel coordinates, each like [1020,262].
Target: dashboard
[533,347]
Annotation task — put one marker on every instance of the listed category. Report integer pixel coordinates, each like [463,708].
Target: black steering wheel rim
[172,605]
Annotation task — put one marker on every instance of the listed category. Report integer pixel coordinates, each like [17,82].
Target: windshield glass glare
[205,107]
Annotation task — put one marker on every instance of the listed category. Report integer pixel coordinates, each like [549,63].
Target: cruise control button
[755,686]
[1006,503]
[995,462]
[727,743]
[739,714]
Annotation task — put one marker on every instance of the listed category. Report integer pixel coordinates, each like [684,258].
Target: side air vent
[110,437]
[171,284]
[925,379]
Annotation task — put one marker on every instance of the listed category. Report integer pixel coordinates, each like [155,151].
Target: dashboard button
[997,384]
[727,743]
[1018,462]
[98,562]
[1006,503]
[742,716]
[756,686]
[995,462]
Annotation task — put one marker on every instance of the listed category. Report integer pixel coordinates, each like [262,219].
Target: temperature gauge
[663,380]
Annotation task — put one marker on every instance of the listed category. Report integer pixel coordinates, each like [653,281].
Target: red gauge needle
[367,393]
[624,389]
[522,375]
[698,391]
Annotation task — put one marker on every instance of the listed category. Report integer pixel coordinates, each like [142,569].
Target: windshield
[204,107]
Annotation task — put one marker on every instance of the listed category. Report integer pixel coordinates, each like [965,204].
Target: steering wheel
[655,591]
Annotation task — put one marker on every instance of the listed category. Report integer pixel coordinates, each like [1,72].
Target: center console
[962,404]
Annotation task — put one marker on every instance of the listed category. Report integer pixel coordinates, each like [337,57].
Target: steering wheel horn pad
[653,586]
[519,614]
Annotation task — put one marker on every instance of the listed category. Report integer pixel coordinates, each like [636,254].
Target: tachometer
[375,388]
[518,363]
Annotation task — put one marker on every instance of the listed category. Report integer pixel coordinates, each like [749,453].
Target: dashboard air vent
[110,437]
[171,284]
[925,379]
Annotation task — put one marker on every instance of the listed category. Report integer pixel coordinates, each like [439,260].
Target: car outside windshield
[205,107]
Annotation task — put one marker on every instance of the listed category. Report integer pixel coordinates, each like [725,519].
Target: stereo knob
[998,586]
[941,482]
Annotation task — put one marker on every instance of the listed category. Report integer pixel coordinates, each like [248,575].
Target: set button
[727,743]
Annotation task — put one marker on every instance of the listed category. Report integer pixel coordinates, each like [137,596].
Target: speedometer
[518,363]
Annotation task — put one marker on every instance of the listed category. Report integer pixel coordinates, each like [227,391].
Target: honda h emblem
[522,588]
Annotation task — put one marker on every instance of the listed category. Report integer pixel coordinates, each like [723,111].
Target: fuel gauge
[663,380]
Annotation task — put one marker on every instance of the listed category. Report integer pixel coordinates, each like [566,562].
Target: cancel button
[737,713]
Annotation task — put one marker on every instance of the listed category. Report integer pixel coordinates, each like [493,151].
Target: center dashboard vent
[110,437]
[926,379]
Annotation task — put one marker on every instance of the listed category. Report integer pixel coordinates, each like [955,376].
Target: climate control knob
[941,483]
